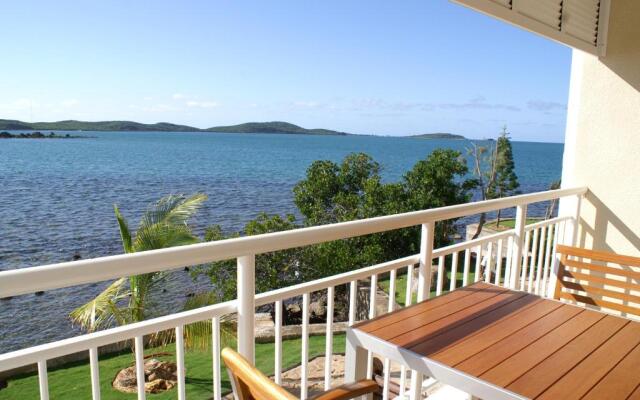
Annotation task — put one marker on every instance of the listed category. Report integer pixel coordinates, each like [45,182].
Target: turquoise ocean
[57,197]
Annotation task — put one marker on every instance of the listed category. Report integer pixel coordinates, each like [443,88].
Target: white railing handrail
[29,280]
[31,355]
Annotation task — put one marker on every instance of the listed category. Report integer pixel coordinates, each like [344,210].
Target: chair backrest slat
[578,266]
[248,382]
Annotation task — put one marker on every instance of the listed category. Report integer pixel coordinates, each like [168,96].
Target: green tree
[273,270]
[347,191]
[127,300]
[506,181]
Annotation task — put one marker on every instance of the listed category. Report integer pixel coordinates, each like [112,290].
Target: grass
[506,224]
[73,381]
[401,285]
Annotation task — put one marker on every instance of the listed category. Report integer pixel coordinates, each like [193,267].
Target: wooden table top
[537,348]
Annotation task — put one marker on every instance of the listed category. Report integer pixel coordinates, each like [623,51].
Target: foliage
[353,189]
[506,181]
[494,169]
[273,270]
[128,300]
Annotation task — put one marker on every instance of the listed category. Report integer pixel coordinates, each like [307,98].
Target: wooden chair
[250,384]
[604,276]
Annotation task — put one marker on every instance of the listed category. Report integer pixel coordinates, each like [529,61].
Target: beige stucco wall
[602,144]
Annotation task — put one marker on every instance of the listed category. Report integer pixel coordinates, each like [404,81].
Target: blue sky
[371,67]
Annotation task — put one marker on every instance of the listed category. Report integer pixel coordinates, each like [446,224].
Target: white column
[246,306]
[518,246]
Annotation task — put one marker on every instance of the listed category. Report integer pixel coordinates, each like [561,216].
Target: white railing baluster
[390,307]
[372,314]
[440,278]
[408,299]
[518,245]
[329,341]
[498,262]
[353,298]
[372,296]
[304,366]
[95,373]
[508,256]
[182,394]
[525,259]
[217,378]
[541,239]
[246,271]
[487,272]
[139,352]
[43,380]
[465,271]
[547,257]
[478,263]
[392,290]
[407,302]
[278,343]
[454,271]
[534,255]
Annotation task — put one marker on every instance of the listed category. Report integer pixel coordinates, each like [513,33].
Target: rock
[39,292]
[317,310]
[160,376]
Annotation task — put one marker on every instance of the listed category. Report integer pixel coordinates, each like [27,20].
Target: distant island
[37,135]
[130,126]
[439,136]
[272,127]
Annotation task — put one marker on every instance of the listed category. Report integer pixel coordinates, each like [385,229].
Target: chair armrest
[349,390]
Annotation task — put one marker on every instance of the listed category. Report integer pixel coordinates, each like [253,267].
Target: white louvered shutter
[576,23]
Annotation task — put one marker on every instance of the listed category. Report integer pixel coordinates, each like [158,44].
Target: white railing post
[426,251]
[424,288]
[568,207]
[140,377]
[43,380]
[95,373]
[246,306]
[182,394]
[518,246]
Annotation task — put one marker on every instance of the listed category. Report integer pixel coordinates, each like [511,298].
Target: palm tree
[126,300]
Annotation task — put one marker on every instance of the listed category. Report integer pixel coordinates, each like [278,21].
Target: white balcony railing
[530,254]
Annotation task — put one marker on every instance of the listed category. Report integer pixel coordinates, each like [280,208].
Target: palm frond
[159,236]
[103,310]
[198,335]
[125,233]
[173,210]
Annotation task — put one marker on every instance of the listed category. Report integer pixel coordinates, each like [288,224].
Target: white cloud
[202,104]
[179,96]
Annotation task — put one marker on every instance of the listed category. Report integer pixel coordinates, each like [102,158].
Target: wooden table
[495,343]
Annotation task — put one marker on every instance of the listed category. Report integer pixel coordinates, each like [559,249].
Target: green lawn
[73,381]
[401,285]
[506,224]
